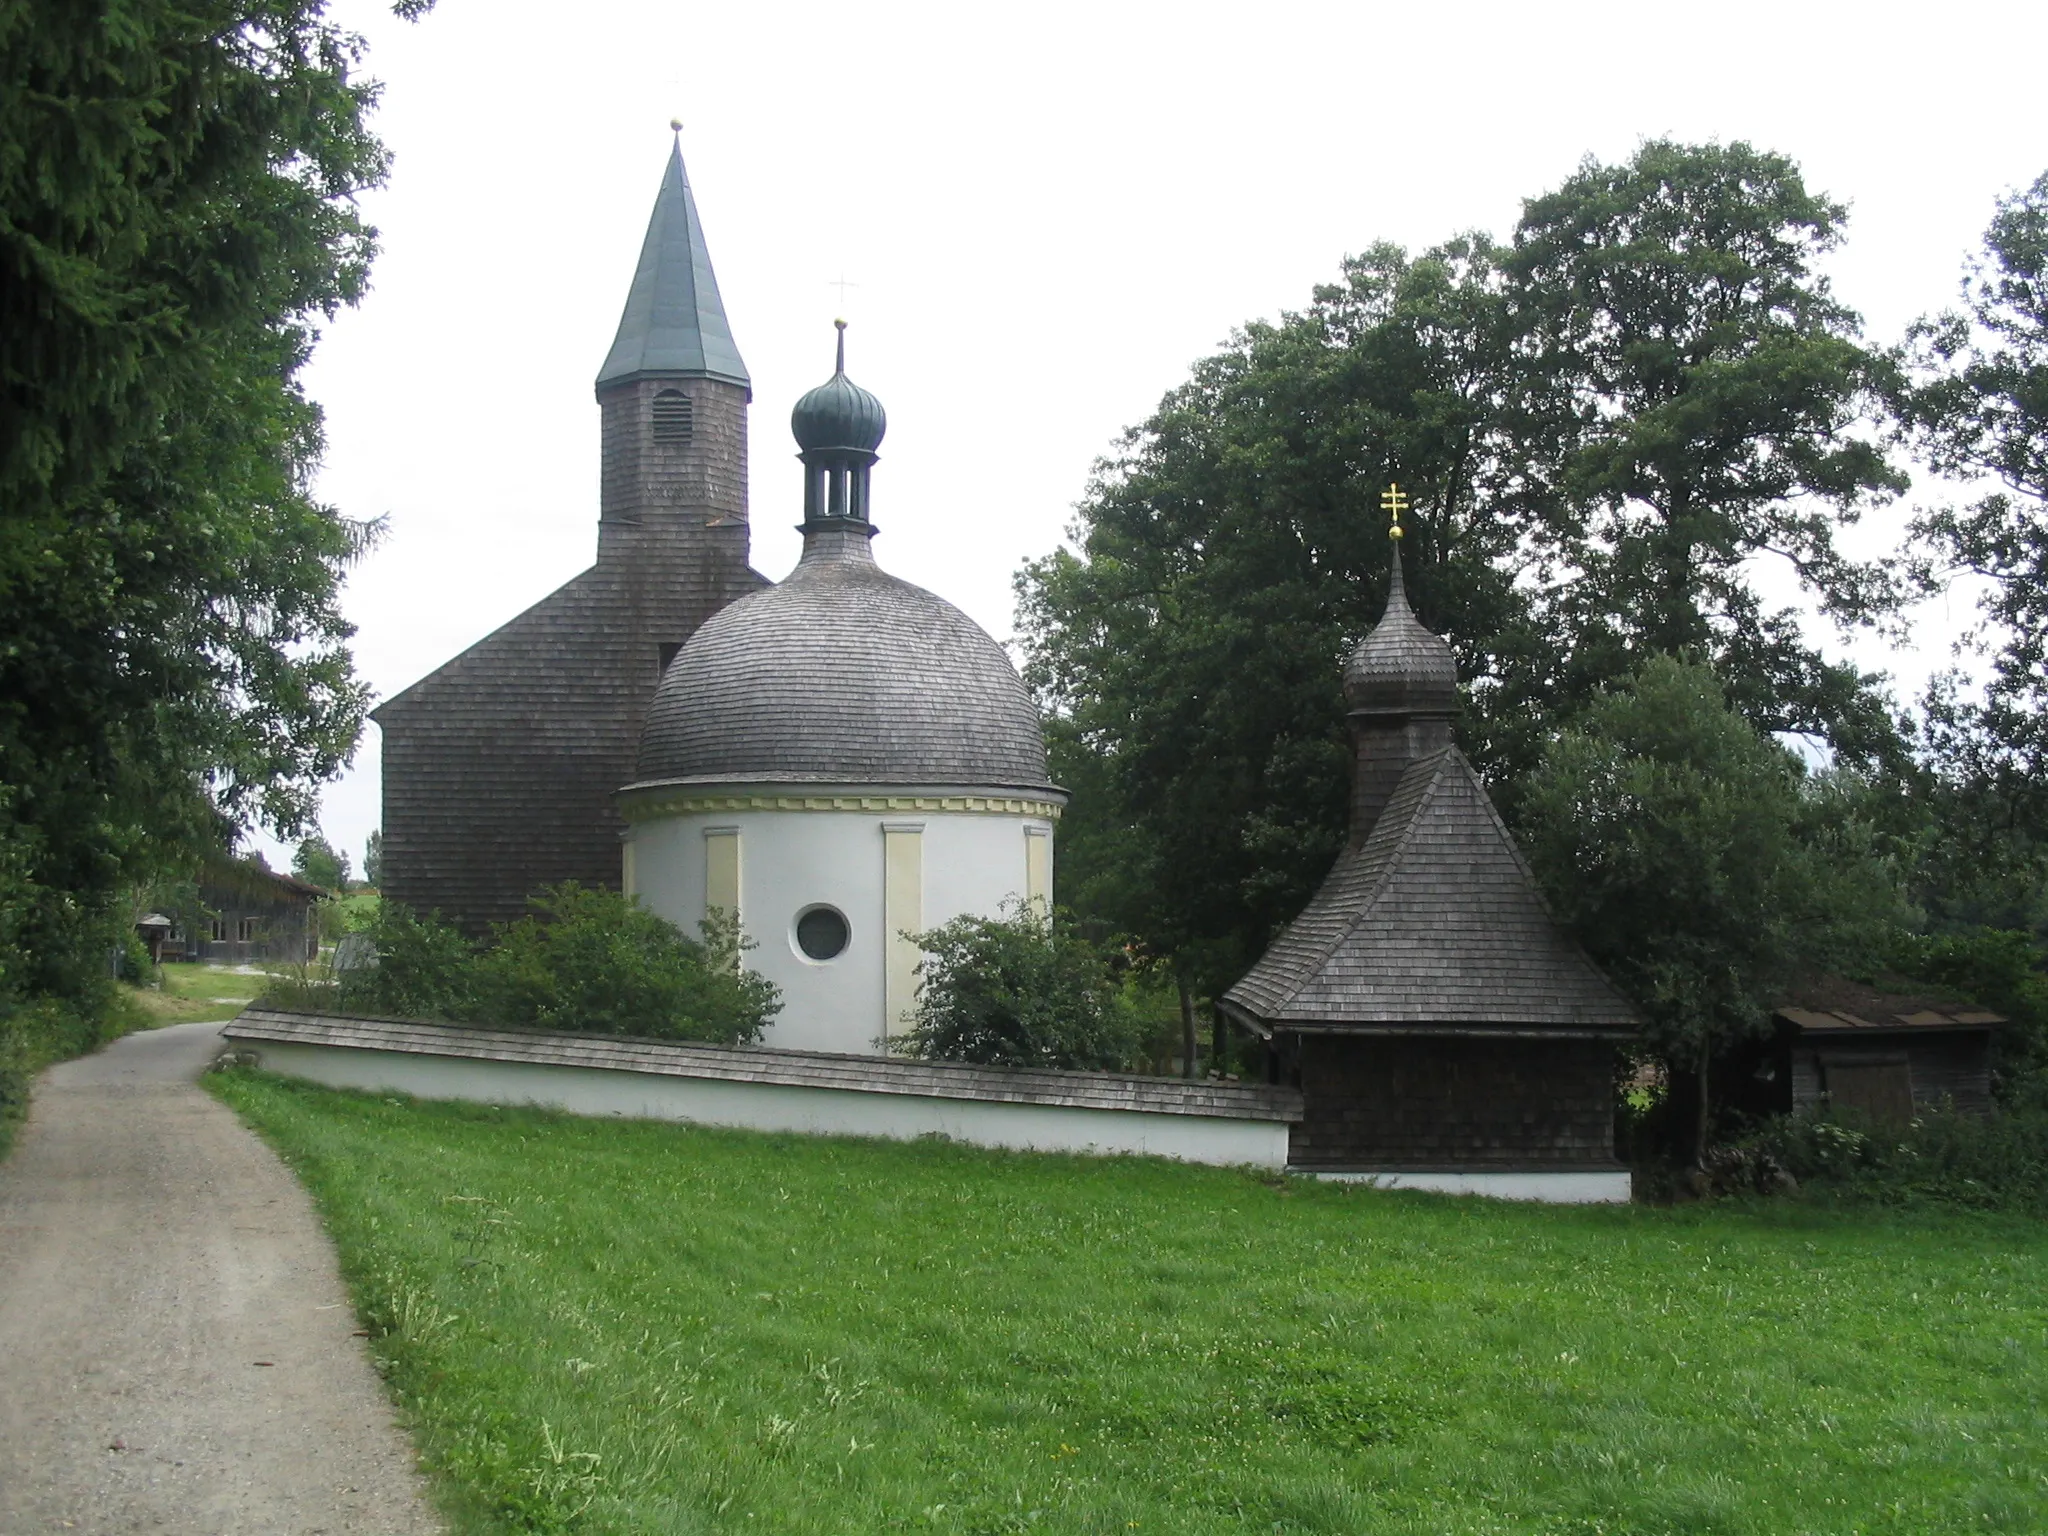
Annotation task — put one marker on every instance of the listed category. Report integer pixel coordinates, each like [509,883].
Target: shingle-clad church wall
[1454,1101]
[500,767]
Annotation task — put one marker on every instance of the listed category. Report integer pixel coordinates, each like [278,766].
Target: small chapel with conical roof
[1445,1032]
[839,760]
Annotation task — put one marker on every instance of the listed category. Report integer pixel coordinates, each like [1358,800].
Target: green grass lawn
[625,1327]
[191,992]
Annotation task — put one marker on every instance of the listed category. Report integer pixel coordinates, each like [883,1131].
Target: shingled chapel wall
[1450,1101]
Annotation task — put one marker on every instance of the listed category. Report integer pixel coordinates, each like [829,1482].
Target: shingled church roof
[1433,923]
[1434,920]
[674,322]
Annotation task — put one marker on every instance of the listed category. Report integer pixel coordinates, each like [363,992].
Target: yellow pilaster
[902,914]
[1038,868]
[722,869]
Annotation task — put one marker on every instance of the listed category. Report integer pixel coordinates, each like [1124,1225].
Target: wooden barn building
[1444,1031]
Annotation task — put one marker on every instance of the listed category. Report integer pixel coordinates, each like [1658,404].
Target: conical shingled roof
[1434,923]
[674,321]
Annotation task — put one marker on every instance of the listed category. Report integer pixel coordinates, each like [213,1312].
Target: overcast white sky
[1048,213]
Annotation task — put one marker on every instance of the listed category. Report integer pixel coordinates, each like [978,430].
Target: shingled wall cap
[674,322]
[1401,668]
[843,674]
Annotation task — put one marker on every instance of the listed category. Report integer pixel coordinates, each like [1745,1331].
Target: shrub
[586,961]
[425,969]
[1021,990]
[600,963]
[1994,1162]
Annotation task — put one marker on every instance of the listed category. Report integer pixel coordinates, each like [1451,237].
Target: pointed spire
[1397,590]
[674,322]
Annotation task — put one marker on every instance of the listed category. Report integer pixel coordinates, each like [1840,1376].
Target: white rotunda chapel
[842,760]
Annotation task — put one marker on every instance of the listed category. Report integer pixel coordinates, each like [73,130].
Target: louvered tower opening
[672,422]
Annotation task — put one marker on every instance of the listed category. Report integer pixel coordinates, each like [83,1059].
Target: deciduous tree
[1698,864]
[1981,412]
[1699,398]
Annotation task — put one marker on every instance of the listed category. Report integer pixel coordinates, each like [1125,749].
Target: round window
[821,932]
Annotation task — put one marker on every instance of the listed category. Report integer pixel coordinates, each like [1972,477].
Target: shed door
[1876,1088]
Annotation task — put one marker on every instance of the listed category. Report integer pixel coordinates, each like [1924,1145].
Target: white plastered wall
[790,860]
[1228,1142]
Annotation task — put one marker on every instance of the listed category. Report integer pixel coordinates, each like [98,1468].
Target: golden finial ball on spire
[675,125]
[1394,501]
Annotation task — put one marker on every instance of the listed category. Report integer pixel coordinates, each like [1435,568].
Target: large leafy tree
[1699,866]
[1605,424]
[1229,554]
[175,219]
[1981,410]
[1699,399]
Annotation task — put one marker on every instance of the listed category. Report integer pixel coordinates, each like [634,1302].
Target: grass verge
[611,1326]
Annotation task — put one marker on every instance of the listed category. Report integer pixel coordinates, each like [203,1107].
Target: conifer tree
[176,218]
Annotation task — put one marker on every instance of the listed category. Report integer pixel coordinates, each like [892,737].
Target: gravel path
[176,1349]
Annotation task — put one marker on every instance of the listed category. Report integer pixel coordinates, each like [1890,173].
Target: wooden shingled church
[1444,1031]
[500,767]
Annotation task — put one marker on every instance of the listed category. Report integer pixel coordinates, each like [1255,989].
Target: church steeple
[674,322]
[1401,689]
[673,392]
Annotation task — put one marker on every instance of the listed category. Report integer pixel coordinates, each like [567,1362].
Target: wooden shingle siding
[1396,1102]
[1948,1067]
[500,767]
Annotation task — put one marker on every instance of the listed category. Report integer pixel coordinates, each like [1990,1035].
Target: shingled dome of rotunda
[842,673]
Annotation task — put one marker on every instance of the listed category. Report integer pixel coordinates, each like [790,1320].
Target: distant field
[624,1327]
[191,992]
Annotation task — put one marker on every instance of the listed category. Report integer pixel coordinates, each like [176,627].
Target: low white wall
[779,1107]
[1595,1188]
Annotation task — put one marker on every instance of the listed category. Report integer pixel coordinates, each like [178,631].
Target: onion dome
[839,416]
[1401,668]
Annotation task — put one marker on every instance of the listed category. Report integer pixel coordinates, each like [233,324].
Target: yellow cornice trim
[649,806]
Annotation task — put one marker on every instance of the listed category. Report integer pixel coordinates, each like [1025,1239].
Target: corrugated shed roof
[1434,921]
[674,321]
[1835,1004]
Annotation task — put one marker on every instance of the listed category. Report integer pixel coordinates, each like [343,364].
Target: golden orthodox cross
[1394,501]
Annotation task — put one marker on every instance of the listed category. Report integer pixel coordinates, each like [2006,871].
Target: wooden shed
[1883,1055]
